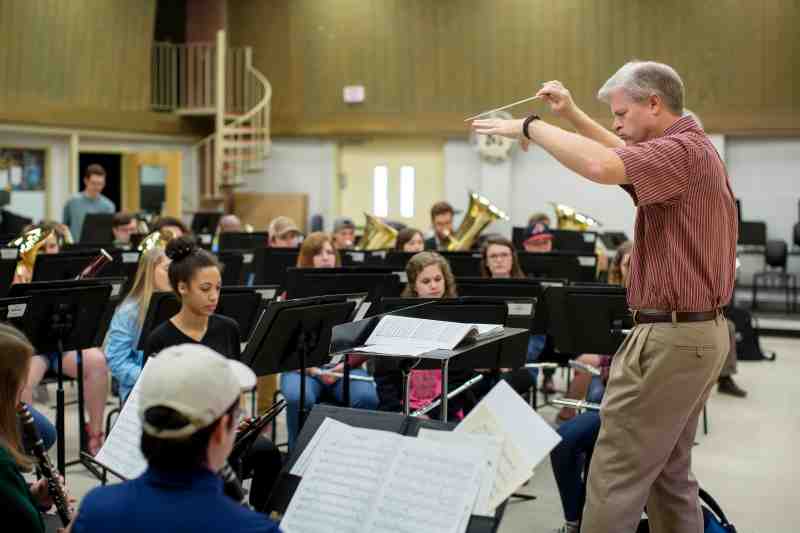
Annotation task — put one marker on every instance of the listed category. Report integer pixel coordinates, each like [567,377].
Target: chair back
[776,254]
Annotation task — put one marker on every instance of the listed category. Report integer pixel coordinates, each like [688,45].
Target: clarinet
[230,483]
[44,465]
[96,265]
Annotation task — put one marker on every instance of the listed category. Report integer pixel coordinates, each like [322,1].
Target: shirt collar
[198,478]
[683,124]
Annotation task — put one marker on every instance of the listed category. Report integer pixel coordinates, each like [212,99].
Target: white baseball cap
[195,381]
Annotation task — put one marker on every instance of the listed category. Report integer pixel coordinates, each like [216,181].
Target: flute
[434,404]
[577,404]
[49,473]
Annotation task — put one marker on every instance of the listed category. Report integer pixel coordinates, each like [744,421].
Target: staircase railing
[186,81]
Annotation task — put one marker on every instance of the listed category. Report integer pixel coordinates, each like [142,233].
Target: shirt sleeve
[658,170]
[236,342]
[15,500]
[153,344]
[124,360]
[65,218]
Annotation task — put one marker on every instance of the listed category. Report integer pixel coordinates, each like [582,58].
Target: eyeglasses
[497,257]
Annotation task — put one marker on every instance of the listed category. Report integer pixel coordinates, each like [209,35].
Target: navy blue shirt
[187,502]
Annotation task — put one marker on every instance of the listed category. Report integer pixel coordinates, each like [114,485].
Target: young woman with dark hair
[195,276]
[409,240]
[317,251]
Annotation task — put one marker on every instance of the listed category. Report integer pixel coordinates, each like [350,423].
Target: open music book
[365,480]
[121,452]
[399,335]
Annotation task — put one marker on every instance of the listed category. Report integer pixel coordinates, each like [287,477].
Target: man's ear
[655,103]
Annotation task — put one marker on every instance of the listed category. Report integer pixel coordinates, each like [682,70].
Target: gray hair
[642,79]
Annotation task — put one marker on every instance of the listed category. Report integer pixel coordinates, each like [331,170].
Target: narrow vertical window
[380,191]
[407,182]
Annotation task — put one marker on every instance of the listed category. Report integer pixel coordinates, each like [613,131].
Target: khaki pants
[659,381]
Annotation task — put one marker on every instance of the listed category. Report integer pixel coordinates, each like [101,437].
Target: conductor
[682,274]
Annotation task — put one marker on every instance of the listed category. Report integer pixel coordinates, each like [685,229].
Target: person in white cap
[188,404]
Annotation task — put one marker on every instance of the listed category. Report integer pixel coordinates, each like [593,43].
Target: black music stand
[241,240]
[232,261]
[505,349]
[378,282]
[572,266]
[62,266]
[204,225]
[8,266]
[463,263]
[271,265]
[117,295]
[396,423]
[296,335]
[58,320]
[588,319]
[97,228]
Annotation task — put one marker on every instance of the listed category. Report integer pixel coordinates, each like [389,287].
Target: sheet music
[301,465]
[491,447]
[433,334]
[528,438]
[121,451]
[363,480]
[396,349]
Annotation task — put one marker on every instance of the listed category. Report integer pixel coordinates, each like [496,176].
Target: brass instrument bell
[28,245]
[157,239]
[378,235]
[480,213]
[570,219]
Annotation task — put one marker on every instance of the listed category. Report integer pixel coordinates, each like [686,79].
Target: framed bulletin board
[23,169]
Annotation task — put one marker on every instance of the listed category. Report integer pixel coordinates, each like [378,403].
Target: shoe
[568,527]
[548,387]
[726,385]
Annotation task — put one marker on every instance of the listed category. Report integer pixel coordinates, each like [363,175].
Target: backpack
[714,519]
[748,344]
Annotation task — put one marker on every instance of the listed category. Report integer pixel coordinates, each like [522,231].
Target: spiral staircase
[217,81]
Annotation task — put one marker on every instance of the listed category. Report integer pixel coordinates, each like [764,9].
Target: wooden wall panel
[426,63]
[61,60]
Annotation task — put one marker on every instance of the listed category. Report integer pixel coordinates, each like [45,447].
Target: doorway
[112,163]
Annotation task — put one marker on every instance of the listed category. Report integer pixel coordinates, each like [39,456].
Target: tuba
[569,219]
[28,245]
[378,235]
[157,239]
[480,213]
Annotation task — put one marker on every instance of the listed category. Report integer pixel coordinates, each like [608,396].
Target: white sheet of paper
[491,447]
[362,480]
[528,438]
[301,465]
[122,451]
[434,334]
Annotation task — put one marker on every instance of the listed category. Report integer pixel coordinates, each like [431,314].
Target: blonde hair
[15,359]
[420,262]
[144,282]
[312,246]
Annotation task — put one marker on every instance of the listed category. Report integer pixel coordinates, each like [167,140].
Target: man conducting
[682,274]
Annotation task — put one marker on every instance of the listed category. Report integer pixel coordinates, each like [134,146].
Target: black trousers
[262,462]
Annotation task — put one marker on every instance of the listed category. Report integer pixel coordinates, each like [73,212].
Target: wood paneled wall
[427,64]
[79,63]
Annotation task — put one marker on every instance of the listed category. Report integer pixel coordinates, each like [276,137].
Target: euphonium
[157,239]
[569,219]
[28,245]
[480,213]
[378,235]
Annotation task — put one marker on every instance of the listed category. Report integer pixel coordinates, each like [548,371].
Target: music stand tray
[396,423]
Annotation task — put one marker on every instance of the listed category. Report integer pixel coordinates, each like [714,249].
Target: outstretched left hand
[503,127]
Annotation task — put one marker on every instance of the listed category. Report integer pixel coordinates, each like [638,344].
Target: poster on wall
[23,169]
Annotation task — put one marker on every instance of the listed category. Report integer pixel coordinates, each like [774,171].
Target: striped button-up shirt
[684,250]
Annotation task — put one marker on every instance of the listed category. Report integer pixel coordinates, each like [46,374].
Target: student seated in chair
[124,358]
[195,276]
[95,370]
[410,240]
[317,251]
[429,276]
[188,407]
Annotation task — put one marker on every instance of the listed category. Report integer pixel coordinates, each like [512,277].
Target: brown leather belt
[650,317]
